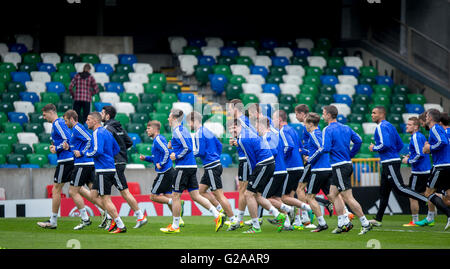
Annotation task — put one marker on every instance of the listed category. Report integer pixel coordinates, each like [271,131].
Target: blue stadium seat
[229,52]
[196,42]
[129,59]
[206,60]
[29,96]
[269,44]
[46,67]
[329,80]
[279,61]
[20,76]
[52,159]
[56,87]
[266,109]
[364,89]
[342,98]
[186,97]
[301,52]
[218,83]
[105,68]
[414,108]
[350,70]
[135,138]
[271,88]
[9,166]
[259,70]
[387,80]
[18,47]
[29,165]
[225,159]
[341,118]
[99,106]
[116,87]
[17,117]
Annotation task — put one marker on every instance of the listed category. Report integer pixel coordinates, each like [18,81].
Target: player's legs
[56,196]
[385,191]
[203,190]
[220,196]
[121,184]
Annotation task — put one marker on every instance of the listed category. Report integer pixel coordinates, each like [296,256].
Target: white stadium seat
[406,116]
[214,42]
[251,88]
[215,127]
[125,107]
[304,43]
[427,106]
[289,89]
[12,57]
[100,77]
[143,68]
[40,76]
[109,97]
[293,118]
[184,106]
[247,51]
[211,51]
[133,87]
[240,69]
[318,61]
[48,127]
[24,107]
[109,58]
[292,79]
[343,109]
[177,43]
[353,61]
[138,77]
[187,63]
[262,60]
[267,98]
[27,138]
[255,79]
[27,40]
[3,49]
[79,67]
[347,79]
[51,58]
[283,52]
[345,89]
[369,127]
[296,70]
[35,86]
[135,166]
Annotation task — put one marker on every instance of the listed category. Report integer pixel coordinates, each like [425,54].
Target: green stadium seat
[2,87]
[397,108]
[327,89]
[287,99]
[2,159]
[366,80]
[299,61]
[306,88]
[382,89]
[320,52]
[277,70]
[141,118]
[381,99]
[338,52]
[135,158]
[31,58]
[7,67]
[6,107]
[288,108]
[318,108]
[149,98]
[308,99]
[225,60]
[365,149]
[153,87]
[49,97]
[65,97]
[237,80]
[158,78]
[18,87]
[220,118]
[362,99]
[45,138]
[417,99]
[39,159]
[144,108]
[356,118]
[70,58]
[146,139]
[401,89]
[129,97]
[163,107]
[192,50]
[202,73]
[22,149]
[335,62]
[119,77]
[12,127]
[357,127]
[312,80]
[368,138]
[8,138]
[39,105]
[17,159]
[65,68]
[373,105]
[332,71]
[248,98]
[122,118]
[89,58]
[42,148]
[222,70]
[161,117]
[245,60]
[61,76]
[227,149]
[394,118]
[368,71]
[169,98]
[144,149]
[5,149]
[136,128]
[325,99]
[173,88]
[5,77]
[36,128]
[400,99]
[274,79]
[233,91]
[313,71]
[323,43]
[27,67]
[123,68]
[3,117]
[63,106]
[10,97]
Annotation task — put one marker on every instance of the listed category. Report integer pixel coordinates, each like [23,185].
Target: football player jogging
[439,147]
[319,161]
[186,174]
[104,148]
[84,170]
[339,137]
[262,167]
[420,168]
[388,145]
[209,148]
[120,135]
[292,147]
[60,134]
[162,185]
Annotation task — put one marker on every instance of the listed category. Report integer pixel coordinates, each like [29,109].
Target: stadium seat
[103,68]
[297,70]
[382,89]
[251,88]
[100,77]
[387,80]
[115,87]
[205,60]
[18,117]
[355,118]
[271,88]
[42,148]
[336,62]
[37,159]
[289,89]
[226,160]
[129,59]
[427,106]
[184,106]
[119,77]
[144,108]
[342,98]
[12,57]
[309,89]
[46,67]
[313,71]
[12,127]
[6,107]
[124,107]
[5,149]
[17,159]
[343,109]
[311,80]
[213,52]
[240,69]
[255,79]
[360,109]
[318,61]
[414,108]
[27,67]
[187,63]
[368,71]
[292,79]
[133,87]
[27,138]
[129,97]
[109,97]
[99,105]
[417,99]
[176,44]
[364,89]
[20,77]
[280,61]
[350,71]
[329,80]
[40,76]
[369,127]
[56,87]
[202,73]
[144,68]
[29,97]
[51,57]
[10,97]
[353,61]
[142,118]
[49,97]
[233,91]
[187,98]
[347,79]
[361,99]
[347,89]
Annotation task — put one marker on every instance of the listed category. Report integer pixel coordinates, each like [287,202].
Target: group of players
[280,170]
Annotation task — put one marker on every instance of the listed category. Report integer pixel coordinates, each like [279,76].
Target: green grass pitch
[23,233]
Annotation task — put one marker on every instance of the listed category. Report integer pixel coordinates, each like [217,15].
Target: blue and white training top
[439,146]
[208,147]
[304,138]
[160,154]
[182,147]
[319,146]
[256,150]
[447,131]
[245,123]
[60,134]
[277,148]
[81,140]
[292,146]
[420,162]
[104,148]
[340,136]
[387,142]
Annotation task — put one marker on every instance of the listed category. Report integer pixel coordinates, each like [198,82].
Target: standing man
[262,167]
[439,147]
[162,185]
[340,137]
[121,159]
[388,145]
[209,148]
[186,170]
[85,87]
[103,150]
[60,135]
[420,169]
[84,170]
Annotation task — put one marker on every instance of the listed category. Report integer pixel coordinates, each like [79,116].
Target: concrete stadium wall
[98,44]
[28,183]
